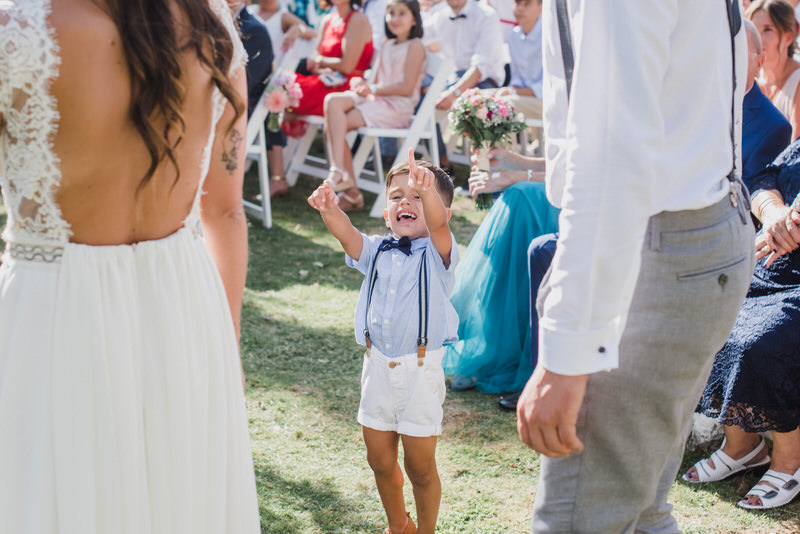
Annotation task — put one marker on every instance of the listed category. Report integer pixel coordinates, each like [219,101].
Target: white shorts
[398,395]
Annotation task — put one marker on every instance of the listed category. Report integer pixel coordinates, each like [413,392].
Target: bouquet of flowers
[486,119]
[283,93]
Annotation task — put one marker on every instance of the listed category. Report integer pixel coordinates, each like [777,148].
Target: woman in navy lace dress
[755,381]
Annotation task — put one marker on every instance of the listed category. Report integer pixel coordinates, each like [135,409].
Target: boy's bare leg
[420,463]
[382,458]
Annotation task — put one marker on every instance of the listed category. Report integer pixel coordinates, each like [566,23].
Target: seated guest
[311,12]
[289,36]
[467,32]
[524,89]
[755,381]
[765,131]
[491,290]
[387,102]
[285,30]
[344,51]
[257,44]
[780,72]
[764,134]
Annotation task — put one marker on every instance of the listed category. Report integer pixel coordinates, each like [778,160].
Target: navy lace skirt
[755,381]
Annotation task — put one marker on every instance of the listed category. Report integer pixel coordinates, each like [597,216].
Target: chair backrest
[439,68]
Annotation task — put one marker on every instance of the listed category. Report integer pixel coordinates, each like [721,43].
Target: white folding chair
[423,127]
[257,151]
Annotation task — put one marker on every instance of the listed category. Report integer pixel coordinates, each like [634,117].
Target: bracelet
[456,91]
[530,174]
[373,88]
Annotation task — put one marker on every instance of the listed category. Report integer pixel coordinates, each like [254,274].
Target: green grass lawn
[303,368]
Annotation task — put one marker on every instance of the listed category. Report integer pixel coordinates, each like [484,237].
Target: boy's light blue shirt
[394,308]
[526,58]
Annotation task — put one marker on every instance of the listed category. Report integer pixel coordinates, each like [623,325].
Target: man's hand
[446,100]
[547,412]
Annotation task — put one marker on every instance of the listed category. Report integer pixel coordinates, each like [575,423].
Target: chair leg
[299,157]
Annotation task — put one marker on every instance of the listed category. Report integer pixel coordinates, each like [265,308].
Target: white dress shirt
[375,10]
[474,40]
[647,130]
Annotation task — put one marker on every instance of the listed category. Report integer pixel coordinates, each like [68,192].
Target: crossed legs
[341,116]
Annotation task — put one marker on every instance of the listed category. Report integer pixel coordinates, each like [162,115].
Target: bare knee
[335,103]
[381,461]
[421,473]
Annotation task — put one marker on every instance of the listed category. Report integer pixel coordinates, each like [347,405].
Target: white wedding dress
[121,405]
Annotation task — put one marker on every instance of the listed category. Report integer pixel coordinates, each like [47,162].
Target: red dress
[314,91]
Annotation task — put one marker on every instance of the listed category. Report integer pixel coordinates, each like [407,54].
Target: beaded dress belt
[31,252]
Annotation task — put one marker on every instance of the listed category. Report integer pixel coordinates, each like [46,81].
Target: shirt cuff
[579,353]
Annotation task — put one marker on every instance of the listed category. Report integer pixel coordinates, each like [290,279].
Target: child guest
[403,317]
[388,102]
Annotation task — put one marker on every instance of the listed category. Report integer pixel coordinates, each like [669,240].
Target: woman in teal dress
[491,293]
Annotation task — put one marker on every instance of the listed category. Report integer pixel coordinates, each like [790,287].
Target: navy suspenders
[423,297]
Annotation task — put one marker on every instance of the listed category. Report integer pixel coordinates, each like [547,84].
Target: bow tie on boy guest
[403,245]
[459,16]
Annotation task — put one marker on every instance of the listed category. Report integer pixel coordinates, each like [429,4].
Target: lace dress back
[30,167]
[121,401]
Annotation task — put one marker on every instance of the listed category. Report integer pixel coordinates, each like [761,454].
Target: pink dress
[390,111]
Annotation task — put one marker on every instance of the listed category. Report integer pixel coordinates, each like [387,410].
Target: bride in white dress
[121,395]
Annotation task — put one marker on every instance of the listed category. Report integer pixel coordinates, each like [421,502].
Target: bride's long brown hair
[147,29]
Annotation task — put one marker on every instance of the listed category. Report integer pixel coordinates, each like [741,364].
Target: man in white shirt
[469,34]
[653,260]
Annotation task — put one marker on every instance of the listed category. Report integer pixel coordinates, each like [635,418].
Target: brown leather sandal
[411,528]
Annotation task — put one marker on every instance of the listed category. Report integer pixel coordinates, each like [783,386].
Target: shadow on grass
[322,366]
[318,498]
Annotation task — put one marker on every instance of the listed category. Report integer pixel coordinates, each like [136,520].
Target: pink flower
[482,112]
[503,110]
[276,101]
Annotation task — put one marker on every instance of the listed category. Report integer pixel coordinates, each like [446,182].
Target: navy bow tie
[403,244]
[459,16]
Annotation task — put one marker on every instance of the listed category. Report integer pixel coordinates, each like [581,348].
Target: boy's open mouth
[405,216]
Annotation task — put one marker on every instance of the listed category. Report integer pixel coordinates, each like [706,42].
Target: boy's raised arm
[437,215]
[323,199]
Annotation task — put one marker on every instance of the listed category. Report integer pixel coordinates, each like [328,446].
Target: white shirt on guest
[375,10]
[472,40]
[647,130]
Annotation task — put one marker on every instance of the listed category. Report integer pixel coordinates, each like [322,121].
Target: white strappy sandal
[788,486]
[725,466]
[344,183]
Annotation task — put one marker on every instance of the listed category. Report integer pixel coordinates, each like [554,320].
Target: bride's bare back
[103,157]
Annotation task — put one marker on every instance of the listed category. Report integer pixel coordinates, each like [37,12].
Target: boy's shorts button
[392,365]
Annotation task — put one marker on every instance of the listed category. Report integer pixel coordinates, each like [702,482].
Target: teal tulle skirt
[491,293]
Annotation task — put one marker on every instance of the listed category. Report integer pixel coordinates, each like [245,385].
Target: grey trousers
[696,268]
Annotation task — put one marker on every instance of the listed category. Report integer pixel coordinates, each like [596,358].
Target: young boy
[403,317]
